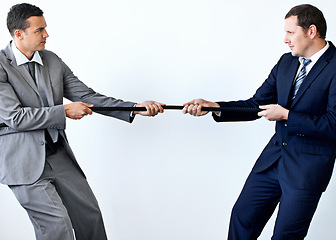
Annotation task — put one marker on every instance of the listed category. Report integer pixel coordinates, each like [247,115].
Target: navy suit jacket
[306,142]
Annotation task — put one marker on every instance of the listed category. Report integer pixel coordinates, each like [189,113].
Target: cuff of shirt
[132,115]
[218,114]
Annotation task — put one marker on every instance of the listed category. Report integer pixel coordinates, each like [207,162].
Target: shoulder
[331,52]
[47,54]
[6,57]
[285,62]
[6,53]
[51,58]
[3,56]
[288,57]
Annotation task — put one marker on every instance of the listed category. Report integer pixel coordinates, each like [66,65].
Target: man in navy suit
[296,165]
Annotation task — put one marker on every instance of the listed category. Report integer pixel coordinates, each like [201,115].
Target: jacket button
[284,144]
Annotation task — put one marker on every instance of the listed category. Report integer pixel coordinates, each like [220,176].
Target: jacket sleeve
[76,90]
[265,94]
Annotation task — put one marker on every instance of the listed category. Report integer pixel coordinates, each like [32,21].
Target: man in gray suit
[36,161]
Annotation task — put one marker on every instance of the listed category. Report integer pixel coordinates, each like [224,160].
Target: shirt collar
[22,59]
[317,55]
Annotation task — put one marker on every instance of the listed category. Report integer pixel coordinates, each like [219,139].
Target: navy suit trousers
[259,198]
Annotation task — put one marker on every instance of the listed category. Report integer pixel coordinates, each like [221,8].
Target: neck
[317,46]
[28,54]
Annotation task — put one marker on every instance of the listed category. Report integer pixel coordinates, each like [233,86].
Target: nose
[45,35]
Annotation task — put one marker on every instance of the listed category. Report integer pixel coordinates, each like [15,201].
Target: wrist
[214,104]
[286,113]
[135,112]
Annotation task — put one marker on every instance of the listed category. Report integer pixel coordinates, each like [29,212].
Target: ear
[18,34]
[312,31]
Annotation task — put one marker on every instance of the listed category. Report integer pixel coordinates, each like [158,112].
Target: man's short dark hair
[18,15]
[309,15]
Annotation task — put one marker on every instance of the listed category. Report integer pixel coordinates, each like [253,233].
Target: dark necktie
[301,76]
[31,69]
[52,132]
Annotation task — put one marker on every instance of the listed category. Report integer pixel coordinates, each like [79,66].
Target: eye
[39,30]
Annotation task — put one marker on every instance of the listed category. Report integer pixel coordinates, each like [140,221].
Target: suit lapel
[21,69]
[314,72]
[288,81]
[26,76]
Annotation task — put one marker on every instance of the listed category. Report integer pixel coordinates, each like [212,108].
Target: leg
[296,211]
[45,209]
[255,205]
[78,197]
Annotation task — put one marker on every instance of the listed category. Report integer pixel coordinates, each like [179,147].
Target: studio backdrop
[174,176]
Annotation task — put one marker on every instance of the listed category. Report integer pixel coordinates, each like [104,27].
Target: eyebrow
[39,29]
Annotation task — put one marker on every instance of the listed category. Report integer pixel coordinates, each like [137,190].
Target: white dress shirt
[313,59]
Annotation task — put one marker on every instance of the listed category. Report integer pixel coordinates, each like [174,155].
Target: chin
[295,54]
[41,48]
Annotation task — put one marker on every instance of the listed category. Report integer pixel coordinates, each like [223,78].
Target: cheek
[294,39]
[297,42]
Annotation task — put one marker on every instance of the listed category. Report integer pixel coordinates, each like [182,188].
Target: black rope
[171,107]
[174,107]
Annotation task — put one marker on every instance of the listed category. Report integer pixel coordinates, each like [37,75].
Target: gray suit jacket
[22,143]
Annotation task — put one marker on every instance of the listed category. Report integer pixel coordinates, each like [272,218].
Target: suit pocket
[316,149]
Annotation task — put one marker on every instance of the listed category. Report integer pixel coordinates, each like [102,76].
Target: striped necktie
[301,76]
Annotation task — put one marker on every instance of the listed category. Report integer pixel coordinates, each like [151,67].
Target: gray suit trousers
[61,201]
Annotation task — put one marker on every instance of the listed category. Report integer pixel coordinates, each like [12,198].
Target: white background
[172,177]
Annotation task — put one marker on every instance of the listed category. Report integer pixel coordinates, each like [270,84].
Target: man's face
[296,38]
[34,38]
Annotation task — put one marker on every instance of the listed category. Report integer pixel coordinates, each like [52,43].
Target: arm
[266,94]
[84,97]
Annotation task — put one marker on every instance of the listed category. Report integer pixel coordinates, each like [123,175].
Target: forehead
[36,22]
[291,21]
